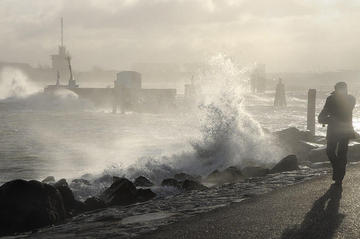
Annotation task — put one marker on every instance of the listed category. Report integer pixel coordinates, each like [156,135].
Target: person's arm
[324,116]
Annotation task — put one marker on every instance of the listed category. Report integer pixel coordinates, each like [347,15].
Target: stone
[49,179]
[185,176]
[81,181]
[72,206]
[104,179]
[121,192]
[189,185]
[141,181]
[27,205]
[144,195]
[289,163]
[250,172]
[94,203]
[171,182]
[294,141]
[230,174]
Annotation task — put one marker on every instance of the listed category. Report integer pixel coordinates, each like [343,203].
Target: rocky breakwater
[28,205]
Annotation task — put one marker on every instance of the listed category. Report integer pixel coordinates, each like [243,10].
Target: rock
[141,181]
[288,163]
[171,182]
[254,172]
[61,182]
[27,205]
[294,141]
[189,185]
[144,195]
[81,181]
[321,165]
[94,203]
[49,179]
[185,176]
[104,179]
[121,192]
[318,155]
[72,206]
[230,174]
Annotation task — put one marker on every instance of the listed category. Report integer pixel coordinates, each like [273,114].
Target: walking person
[337,114]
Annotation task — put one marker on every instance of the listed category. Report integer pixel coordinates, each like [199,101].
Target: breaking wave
[19,92]
[228,135]
[15,84]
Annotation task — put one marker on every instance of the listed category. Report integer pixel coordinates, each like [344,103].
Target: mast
[62,32]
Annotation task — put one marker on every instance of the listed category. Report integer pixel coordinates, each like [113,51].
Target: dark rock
[318,155]
[321,165]
[189,185]
[171,182]
[288,163]
[230,174]
[81,181]
[141,181]
[27,205]
[185,176]
[254,171]
[104,179]
[121,192]
[144,195]
[72,206]
[294,141]
[49,179]
[61,182]
[115,178]
[94,203]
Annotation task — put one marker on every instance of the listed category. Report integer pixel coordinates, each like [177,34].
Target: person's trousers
[336,150]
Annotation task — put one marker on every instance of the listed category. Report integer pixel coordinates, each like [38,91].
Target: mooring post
[311,108]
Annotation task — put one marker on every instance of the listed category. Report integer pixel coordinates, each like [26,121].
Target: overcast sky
[286,35]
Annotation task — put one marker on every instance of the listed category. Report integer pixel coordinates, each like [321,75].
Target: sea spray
[14,83]
[228,135]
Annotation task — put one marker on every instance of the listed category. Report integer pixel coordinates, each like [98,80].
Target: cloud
[284,34]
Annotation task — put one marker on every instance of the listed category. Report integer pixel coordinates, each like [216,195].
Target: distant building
[130,96]
[258,78]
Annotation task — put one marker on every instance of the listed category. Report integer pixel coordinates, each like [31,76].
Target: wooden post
[311,108]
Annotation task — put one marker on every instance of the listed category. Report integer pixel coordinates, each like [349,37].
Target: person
[280,100]
[337,114]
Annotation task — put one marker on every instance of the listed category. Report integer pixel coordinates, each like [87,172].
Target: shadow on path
[322,220]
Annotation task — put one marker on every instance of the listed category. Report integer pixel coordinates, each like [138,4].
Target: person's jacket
[337,114]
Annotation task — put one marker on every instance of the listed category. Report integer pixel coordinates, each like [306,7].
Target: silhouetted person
[280,99]
[337,114]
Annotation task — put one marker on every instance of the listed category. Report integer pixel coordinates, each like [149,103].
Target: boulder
[318,155]
[144,195]
[49,179]
[288,163]
[81,181]
[27,205]
[61,182]
[141,181]
[250,172]
[171,182]
[104,179]
[185,176]
[230,174]
[72,206]
[295,141]
[94,203]
[189,185]
[121,192]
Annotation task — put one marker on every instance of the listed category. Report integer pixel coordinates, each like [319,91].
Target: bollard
[311,108]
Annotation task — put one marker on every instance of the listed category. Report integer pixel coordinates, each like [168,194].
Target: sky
[286,35]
